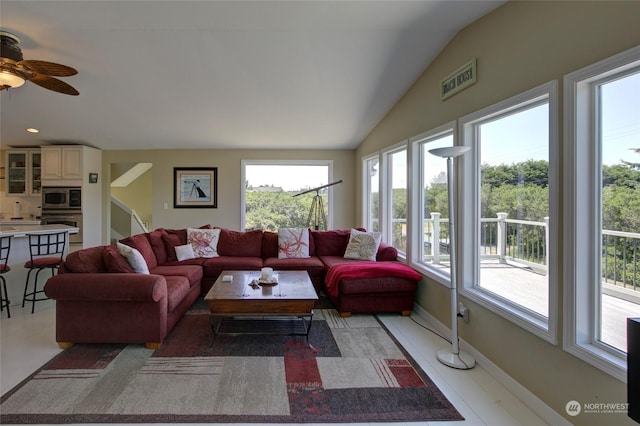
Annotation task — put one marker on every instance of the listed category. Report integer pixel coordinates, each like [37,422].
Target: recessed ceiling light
[32,130]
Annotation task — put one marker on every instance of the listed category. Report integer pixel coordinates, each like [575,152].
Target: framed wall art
[195,187]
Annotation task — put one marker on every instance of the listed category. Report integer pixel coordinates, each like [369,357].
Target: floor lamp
[454,358]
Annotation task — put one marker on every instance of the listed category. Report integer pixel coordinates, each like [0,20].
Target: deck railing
[526,241]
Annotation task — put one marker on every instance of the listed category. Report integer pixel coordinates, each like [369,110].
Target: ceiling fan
[14,71]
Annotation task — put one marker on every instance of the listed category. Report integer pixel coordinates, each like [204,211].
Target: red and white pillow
[204,242]
[293,243]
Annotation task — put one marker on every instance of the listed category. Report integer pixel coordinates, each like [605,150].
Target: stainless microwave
[61,198]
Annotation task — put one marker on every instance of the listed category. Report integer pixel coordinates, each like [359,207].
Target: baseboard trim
[535,404]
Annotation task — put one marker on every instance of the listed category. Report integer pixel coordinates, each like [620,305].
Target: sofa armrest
[106,287]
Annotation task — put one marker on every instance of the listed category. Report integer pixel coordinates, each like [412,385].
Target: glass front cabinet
[23,172]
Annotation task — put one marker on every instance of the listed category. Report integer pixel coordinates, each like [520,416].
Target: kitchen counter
[20,230]
[20,222]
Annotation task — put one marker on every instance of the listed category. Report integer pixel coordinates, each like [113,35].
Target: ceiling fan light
[9,79]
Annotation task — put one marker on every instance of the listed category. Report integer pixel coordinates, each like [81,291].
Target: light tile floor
[28,341]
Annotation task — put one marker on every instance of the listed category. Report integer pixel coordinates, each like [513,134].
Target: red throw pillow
[333,242]
[114,261]
[141,243]
[173,238]
[240,244]
[86,260]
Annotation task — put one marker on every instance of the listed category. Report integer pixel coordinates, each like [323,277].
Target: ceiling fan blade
[53,84]
[49,68]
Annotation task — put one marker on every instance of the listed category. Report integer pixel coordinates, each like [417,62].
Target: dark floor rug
[355,372]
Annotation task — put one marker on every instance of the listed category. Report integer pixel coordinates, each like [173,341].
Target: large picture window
[270,197]
[508,220]
[602,208]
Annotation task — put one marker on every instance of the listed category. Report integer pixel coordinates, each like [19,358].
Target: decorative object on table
[317,213]
[93,178]
[195,187]
[358,374]
[454,358]
[14,71]
[17,211]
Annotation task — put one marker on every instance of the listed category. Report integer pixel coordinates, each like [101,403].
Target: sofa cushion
[115,262]
[333,242]
[293,243]
[134,257]
[172,238]
[203,241]
[157,244]
[88,260]
[177,289]
[191,272]
[269,244]
[363,245]
[240,244]
[141,243]
[378,285]
[309,264]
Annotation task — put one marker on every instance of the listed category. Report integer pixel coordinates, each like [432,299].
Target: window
[271,200]
[394,164]
[508,221]
[371,199]
[430,241]
[602,209]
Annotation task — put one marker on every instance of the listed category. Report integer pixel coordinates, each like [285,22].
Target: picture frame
[195,187]
[93,178]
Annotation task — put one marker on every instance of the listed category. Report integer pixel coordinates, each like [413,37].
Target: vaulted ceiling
[222,74]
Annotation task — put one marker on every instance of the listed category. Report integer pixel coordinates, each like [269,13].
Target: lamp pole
[454,358]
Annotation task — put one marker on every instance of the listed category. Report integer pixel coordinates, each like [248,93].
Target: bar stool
[46,252]
[5,247]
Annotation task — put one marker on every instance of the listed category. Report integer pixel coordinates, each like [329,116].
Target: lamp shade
[449,151]
[9,79]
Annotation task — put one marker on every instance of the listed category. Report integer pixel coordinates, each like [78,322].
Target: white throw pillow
[185,252]
[363,245]
[204,241]
[133,256]
[293,243]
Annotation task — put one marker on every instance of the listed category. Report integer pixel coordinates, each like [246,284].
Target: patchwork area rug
[356,372]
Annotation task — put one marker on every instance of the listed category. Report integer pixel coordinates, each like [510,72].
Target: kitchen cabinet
[23,172]
[62,162]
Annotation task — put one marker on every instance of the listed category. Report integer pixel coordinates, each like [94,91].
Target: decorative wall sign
[195,187]
[93,178]
[458,80]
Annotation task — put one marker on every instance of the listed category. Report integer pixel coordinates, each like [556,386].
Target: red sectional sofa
[100,299]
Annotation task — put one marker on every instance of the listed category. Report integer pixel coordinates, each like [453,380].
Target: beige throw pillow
[363,245]
[134,258]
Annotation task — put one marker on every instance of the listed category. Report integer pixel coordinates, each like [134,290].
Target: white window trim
[245,163]
[581,249]
[366,189]
[386,191]
[416,198]
[468,174]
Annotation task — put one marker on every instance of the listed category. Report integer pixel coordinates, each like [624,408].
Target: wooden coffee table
[283,309]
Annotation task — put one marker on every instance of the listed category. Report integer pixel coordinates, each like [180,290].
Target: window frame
[582,163]
[386,193]
[468,176]
[366,191]
[439,274]
[245,163]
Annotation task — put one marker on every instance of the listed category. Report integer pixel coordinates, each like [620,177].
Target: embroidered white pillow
[185,252]
[134,258]
[293,243]
[363,245]
[204,241]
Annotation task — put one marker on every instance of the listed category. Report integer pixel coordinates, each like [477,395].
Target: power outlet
[463,312]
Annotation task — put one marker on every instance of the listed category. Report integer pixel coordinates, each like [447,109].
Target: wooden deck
[526,287]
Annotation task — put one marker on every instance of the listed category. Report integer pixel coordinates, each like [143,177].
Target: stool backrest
[52,244]
[5,247]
